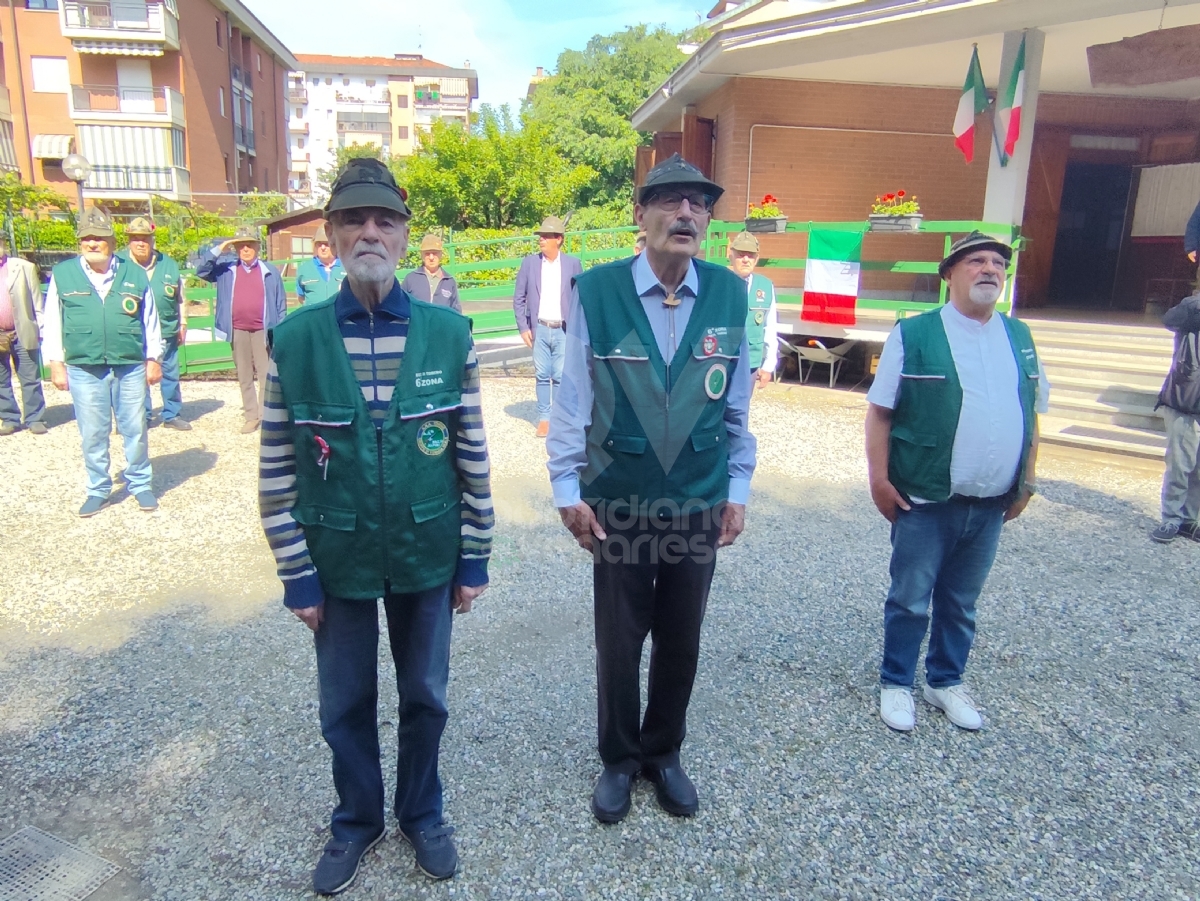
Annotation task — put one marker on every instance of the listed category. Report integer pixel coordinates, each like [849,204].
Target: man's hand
[733,521]
[311,616]
[463,596]
[582,522]
[182,333]
[1018,506]
[527,337]
[887,499]
[1192,256]
[58,375]
[764,377]
[153,372]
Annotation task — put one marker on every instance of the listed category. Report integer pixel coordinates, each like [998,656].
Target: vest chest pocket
[716,345]
[625,444]
[628,351]
[321,516]
[331,416]
[430,399]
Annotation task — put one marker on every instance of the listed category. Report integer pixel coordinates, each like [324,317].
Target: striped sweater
[375,343]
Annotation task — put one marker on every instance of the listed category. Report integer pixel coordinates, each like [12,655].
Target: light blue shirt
[572,412]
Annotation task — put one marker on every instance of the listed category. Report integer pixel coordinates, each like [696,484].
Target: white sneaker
[897,709]
[956,704]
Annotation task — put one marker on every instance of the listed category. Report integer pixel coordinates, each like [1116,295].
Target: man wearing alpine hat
[320,276]
[762,319]
[429,281]
[952,439]
[374,483]
[650,464]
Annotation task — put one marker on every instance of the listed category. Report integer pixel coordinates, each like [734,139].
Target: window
[299,143]
[41,4]
[178,148]
[402,132]
[328,80]
[221,100]
[316,81]
[258,62]
[50,74]
[262,124]
[402,101]
[228,177]
[301,247]
[218,32]
[250,166]
[370,82]
[345,82]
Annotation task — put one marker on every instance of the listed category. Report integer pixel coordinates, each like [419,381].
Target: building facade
[179,99]
[337,101]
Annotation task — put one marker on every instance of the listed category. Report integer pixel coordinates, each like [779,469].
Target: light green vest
[311,284]
[925,419]
[165,285]
[101,331]
[381,510]
[762,295]
[658,427]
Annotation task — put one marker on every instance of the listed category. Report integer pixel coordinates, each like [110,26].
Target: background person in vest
[21,305]
[650,463]
[430,282]
[165,282]
[103,342]
[373,416]
[319,277]
[951,447]
[250,301]
[1180,403]
[539,303]
[762,319]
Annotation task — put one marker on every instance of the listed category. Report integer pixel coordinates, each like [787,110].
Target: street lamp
[76,167]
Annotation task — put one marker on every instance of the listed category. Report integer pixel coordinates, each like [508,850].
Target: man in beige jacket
[21,304]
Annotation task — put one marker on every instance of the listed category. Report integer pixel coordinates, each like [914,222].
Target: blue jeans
[172,397]
[98,392]
[28,365]
[347,676]
[940,552]
[1181,476]
[549,351]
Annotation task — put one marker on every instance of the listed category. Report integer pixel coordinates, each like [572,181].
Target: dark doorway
[1091,224]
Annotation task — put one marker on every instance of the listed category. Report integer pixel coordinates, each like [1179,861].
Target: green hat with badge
[94,223]
[744,241]
[141,226]
[977,240]
[676,173]
[367,183]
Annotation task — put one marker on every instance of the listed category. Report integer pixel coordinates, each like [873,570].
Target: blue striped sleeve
[474,469]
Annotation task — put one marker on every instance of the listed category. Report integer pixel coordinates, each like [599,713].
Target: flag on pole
[1009,113]
[831,275]
[972,102]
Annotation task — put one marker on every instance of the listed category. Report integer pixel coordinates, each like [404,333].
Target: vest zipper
[387,575]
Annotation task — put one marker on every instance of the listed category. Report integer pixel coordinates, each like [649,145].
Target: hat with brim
[744,241]
[676,173]
[431,243]
[367,183]
[321,236]
[94,223]
[140,227]
[552,227]
[976,240]
[246,234]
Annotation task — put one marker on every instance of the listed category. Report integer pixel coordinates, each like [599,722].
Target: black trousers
[650,577]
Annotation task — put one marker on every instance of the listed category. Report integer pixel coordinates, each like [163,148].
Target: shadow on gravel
[172,470]
[198,409]
[58,414]
[1088,500]
[526,410]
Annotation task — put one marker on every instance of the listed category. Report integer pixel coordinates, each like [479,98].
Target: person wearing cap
[639,243]
[21,306]
[250,302]
[650,463]
[102,339]
[762,319]
[375,483]
[320,276]
[539,304]
[167,285]
[431,283]
[952,440]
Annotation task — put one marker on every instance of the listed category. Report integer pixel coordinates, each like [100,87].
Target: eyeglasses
[978,261]
[670,201]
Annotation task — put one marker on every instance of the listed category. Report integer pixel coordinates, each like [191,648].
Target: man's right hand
[582,522]
[527,337]
[311,616]
[58,375]
[887,499]
[1192,256]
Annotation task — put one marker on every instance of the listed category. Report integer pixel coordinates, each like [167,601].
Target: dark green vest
[165,285]
[925,419]
[762,295]
[310,275]
[102,332]
[658,429]
[381,511]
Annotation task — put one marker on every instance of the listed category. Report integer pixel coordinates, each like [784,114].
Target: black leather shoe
[674,790]
[610,800]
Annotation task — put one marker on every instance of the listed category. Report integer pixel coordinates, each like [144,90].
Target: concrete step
[1108,438]
[1082,409]
[1116,349]
[1103,389]
[1119,329]
[1133,371]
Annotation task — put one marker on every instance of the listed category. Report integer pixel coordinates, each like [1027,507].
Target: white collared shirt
[988,443]
[550,307]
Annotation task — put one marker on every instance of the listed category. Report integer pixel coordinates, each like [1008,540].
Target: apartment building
[336,101]
[180,99]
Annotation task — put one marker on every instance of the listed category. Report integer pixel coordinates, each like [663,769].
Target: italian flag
[1009,113]
[831,275]
[972,102]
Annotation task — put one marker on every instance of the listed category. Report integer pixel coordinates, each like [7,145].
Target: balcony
[371,126]
[297,94]
[243,137]
[139,182]
[110,103]
[120,27]
[298,126]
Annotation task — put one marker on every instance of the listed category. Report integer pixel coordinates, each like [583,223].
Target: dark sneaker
[436,855]
[38,428]
[146,501]
[92,506]
[338,866]
[1165,533]
[7,428]
[1190,530]
[179,425]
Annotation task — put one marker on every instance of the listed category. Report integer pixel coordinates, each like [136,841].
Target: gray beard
[984,294]
[96,259]
[368,269]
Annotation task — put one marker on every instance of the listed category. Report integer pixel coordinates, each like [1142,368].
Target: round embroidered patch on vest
[762,295]
[715,380]
[169,291]
[759,316]
[710,345]
[433,438]
[129,304]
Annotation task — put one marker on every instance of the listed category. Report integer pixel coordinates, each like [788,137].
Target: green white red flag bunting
[972,102]
[1008,115]
[831,276]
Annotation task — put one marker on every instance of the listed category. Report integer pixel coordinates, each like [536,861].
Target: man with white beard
[952,438]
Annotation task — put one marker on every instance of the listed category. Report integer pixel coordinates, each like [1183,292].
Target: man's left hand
[1018,506]
[463,596]
[182,333]
[733,521]
[153,372]
[764,377]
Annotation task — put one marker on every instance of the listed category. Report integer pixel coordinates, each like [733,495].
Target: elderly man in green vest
[102,339]
[167,285]
[374,483]
[952,437]
[320,276]
[650,464]
[762,319]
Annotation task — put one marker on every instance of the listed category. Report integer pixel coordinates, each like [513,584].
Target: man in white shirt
[952,439]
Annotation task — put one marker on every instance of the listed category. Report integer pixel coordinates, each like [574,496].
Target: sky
[505,40]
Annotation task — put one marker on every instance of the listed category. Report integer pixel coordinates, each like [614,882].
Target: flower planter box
[881,223]
[767,226]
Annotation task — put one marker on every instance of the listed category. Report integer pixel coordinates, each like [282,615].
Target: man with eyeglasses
[952,440]
[650,464]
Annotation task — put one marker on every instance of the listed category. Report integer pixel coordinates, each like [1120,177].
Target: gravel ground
[159,705]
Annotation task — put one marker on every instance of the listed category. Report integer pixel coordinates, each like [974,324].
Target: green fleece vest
[658,427]
[762,295]
[925,419]
[380,508]
[310,275]
[165,285]
[102,331]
